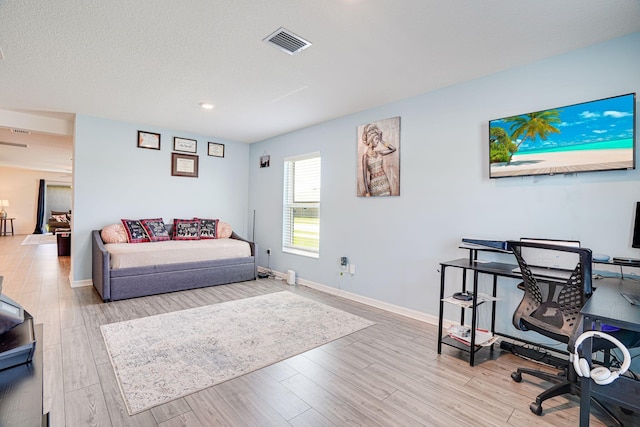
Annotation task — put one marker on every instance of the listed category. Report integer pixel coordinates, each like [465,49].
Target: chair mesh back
[570,300]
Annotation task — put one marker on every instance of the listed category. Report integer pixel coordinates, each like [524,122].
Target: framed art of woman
[379,168]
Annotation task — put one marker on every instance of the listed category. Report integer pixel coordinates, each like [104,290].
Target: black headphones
[600,374]
[463,296]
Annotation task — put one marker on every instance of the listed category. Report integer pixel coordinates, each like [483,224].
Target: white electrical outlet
[352,269]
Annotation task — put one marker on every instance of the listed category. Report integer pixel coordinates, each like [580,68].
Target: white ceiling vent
[26,132]
[286,41]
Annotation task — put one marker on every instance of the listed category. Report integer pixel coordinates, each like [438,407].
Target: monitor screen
[635,243]
[592,136]
[548,258]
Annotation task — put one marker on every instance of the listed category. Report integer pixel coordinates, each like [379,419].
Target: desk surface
[497,268]
[609,307]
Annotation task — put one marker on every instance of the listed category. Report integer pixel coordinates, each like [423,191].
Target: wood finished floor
[386,375]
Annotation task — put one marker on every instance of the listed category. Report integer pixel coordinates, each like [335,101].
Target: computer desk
[607,306]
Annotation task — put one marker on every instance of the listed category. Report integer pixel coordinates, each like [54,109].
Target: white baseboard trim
[81,283]
[403,311]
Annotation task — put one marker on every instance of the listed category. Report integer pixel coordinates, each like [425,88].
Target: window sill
[301,252]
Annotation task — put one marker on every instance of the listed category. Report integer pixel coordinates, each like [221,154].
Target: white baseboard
[81,283]
[403,311]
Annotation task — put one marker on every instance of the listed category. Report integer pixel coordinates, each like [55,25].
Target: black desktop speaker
[636,228]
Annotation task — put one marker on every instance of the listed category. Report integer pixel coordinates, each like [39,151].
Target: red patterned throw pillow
[135,231]
[155,229]
[186,229]
[208,228]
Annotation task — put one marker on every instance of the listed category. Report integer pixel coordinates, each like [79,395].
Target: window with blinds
[301,205]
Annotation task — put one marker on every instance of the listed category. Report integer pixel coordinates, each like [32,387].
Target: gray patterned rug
[39,239]
[161,358]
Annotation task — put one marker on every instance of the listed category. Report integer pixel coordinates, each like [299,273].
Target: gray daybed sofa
[123,283]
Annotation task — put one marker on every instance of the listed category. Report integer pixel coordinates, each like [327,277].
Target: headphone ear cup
[600,375]
[585,369]
[576,364]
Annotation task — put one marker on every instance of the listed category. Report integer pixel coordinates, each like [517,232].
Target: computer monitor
[635,243]
[551,259]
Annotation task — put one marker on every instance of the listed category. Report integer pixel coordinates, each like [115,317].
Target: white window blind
[301,205]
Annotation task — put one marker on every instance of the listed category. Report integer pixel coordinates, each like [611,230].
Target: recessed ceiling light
[207,105]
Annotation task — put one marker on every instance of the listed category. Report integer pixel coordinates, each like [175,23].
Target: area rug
[39,239]
[160,358]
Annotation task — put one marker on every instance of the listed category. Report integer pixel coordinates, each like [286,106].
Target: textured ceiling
[152,61]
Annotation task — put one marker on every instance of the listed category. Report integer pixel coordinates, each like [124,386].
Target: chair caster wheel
[516,376]
[536,408]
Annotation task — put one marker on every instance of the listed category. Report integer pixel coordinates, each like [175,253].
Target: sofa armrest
[254,252]
[100,269]
[253,245]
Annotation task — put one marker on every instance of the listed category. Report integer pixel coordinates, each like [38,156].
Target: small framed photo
[265,161]
[216,150]
[184,165]
[184,144]
[148,140]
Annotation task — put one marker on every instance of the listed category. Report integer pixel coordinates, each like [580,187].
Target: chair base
[563,385]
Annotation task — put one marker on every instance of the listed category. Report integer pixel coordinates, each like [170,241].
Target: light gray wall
[115,179]
[397,243]
[58,199]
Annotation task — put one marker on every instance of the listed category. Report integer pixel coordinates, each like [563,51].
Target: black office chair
[552,307]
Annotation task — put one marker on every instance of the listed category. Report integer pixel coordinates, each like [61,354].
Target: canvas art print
[379,158]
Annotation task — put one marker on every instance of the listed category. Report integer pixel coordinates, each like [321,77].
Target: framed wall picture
[184,165]
[216,150]
[265,160]
[185,145]
[148,140]
[379,158]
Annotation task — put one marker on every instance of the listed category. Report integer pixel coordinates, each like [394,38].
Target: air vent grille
[26,132]
[13,144]
[286,41]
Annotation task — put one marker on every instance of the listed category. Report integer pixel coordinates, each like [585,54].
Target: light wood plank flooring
[385,375]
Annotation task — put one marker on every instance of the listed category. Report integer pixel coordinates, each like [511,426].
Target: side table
[3,226]
[63,238]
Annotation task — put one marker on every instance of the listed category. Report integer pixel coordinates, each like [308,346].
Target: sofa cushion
[114,233]
[224,230]
[60,218]
[155,229]
[135,231]
[208,228]
[186,229]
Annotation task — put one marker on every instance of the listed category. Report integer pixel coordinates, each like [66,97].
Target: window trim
[287,188]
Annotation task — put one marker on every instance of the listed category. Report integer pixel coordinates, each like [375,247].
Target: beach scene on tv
[592,136]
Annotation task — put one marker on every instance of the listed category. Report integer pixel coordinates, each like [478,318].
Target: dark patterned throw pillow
[135,231]
[186,229]
[208,228]
[155,229]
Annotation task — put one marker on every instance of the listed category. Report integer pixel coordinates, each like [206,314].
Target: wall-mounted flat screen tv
[593,136]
